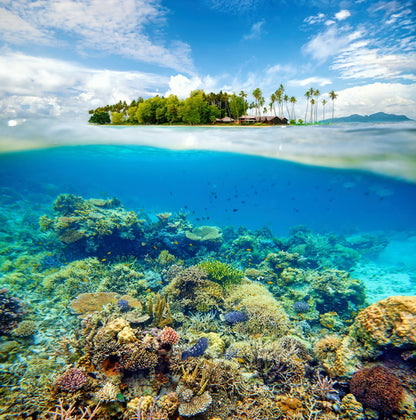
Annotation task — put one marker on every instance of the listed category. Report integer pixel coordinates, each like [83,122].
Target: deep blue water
[216,188]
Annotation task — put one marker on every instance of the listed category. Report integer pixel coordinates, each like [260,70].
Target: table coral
[87,303]
[390,322]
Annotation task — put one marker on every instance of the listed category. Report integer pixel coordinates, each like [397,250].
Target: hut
[225,120]
[248,119]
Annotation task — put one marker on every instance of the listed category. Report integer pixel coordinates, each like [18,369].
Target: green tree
[258,96]
[286,101]
[333,96]
[324,102]
[100,117]
[117,117]
[316,93]
[172,109]
[293,102]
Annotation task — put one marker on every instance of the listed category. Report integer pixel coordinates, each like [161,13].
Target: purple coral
[72,380]
[234,317]
[123,304]
[301,307]
[11,311]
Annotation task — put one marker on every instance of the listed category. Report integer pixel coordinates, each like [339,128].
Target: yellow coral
[115,326]
[391,321]
[126,335]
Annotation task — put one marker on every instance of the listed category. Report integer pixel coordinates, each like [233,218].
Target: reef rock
[390,322]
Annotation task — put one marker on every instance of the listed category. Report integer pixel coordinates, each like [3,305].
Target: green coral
[222,273]
[82,276]
[92,223]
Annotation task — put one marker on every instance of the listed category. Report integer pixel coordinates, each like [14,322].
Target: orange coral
[389,322]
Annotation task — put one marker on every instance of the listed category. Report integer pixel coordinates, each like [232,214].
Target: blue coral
[234,317]
[123,304]
[301,307]
[197,349]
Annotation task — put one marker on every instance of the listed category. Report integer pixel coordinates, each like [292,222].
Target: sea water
[346,180]
[343,178]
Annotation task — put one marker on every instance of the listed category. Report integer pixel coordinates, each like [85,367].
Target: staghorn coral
[378,388]
[72,380]
[25,329]
[390,322]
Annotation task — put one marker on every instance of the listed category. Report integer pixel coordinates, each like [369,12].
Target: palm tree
[324,102]
[257,96]
[279,94]
[293,101]
[312,104]
[272,101]
[316,94]
[333,96]
[286,100]
[307,96]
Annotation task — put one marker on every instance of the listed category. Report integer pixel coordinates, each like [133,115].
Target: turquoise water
[342,196]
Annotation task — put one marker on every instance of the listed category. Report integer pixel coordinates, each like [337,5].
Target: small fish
[269,282]
[191,244]
[148,290]
[109,252]
[159,282]
[248,249]
[154,246]
[176,242]
[144,244]
[104,259]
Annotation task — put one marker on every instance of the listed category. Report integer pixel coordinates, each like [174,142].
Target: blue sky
[60,58]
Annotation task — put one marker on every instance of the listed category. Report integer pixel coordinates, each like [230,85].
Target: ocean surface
[349,190]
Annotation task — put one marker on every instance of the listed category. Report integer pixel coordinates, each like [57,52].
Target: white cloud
[320,81]
[330,42]
[36,86]
[342,14]
[118,27]
[362,62]
[256,31]
[394,98]
[311,20]
[182,86]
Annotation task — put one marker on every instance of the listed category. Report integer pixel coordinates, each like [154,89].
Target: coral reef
[152,317]
[378,388]
[390,322]
[72,380]
[11,311]
[92,225]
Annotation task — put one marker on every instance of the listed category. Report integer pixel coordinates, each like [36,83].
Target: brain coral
[390,322]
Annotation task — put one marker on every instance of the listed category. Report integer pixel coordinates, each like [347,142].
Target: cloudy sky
[60,58]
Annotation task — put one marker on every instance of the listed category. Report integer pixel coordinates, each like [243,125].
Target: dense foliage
[198,108]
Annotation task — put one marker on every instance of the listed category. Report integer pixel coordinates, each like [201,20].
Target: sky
[60,58]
